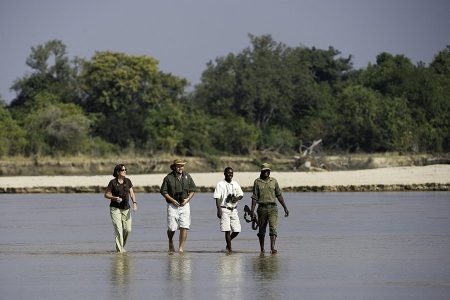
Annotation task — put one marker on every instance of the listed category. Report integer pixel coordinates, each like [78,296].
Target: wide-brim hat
[266,166]
[178,161]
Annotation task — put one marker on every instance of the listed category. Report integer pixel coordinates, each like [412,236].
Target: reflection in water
[230,277]
[179,271]
[120,275]
[266,266]
[180,267]
[265,270]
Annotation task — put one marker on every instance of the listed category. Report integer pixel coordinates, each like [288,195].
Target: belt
[268,204]
[229,208]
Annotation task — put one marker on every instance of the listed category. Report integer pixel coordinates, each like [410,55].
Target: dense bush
[267,97]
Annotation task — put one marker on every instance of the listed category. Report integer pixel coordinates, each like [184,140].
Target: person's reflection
[266,266]
[179,271]
[180,267]
[230,277]
[120,269]
[265,269]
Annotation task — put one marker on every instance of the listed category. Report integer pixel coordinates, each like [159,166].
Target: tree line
[267,97]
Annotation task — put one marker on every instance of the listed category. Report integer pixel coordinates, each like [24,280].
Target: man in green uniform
[266,192]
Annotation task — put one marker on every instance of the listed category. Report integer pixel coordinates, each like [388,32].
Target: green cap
[265,166]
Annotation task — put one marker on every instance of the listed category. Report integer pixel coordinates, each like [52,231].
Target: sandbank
[432,177]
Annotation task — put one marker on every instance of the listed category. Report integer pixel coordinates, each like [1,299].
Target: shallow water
[332,246]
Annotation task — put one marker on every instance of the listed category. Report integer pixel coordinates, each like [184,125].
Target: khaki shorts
[178,217]
[230,220]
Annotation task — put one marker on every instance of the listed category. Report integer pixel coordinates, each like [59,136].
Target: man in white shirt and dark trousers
[227,194]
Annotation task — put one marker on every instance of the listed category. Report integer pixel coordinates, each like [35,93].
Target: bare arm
[281,200]
[189,197]
[133,198]
[108,195]
[253,208]
[170,199]
[219,209]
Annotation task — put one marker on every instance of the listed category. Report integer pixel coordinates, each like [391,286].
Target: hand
[286,212]
[134,206]
[219,213]
[234,199]
[254,217]
[174,202]
[118,199]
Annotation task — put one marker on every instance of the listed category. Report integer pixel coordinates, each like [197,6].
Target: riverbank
[82,165]
[423,178]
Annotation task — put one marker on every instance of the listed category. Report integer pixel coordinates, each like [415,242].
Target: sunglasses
[123,170]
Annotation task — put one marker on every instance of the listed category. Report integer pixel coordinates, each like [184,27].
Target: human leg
[172,225]
[184,222]
[262,225]
[116,219]
[273,238]
[235,226]
[170,235]
[225,226]
[273,223]
[183,237]
[126,224]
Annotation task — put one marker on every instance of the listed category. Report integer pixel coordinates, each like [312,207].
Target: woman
[119,191]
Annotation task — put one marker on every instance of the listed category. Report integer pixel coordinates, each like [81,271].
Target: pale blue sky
[185,34]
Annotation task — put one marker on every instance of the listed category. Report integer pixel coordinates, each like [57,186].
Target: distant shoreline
[423,178]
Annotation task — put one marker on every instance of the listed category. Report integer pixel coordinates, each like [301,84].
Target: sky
[184,35]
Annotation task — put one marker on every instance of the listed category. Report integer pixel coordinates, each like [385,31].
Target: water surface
[333,246]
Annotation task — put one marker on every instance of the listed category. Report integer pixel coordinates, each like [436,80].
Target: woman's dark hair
[117,169]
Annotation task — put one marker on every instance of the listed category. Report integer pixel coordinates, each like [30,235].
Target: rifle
[254,220]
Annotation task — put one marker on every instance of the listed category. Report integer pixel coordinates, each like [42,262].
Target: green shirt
[266,191]
[177,188]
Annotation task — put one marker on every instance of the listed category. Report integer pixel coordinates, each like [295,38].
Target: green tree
[389,75]
[57,129]
[423,88]
[162,126]
[359,112]
[441,62]
[281,140]
[251,84]
[232,134]
[440,66]
[12,136]
[398,128]
[275,87]
[53,79]
[119,91]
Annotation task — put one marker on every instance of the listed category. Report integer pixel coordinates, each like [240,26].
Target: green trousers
[267,214]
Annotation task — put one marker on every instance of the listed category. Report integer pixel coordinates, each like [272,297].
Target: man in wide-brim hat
[178,188]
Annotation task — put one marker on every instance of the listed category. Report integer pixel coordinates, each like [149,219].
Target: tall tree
[53,79]
[57,129]
[12,136]
[119,91]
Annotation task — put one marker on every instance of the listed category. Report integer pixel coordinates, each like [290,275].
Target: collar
[266,180]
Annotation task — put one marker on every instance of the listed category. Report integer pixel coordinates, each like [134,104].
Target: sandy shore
[436,175]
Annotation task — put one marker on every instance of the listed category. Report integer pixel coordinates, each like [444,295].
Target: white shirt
[223,189]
